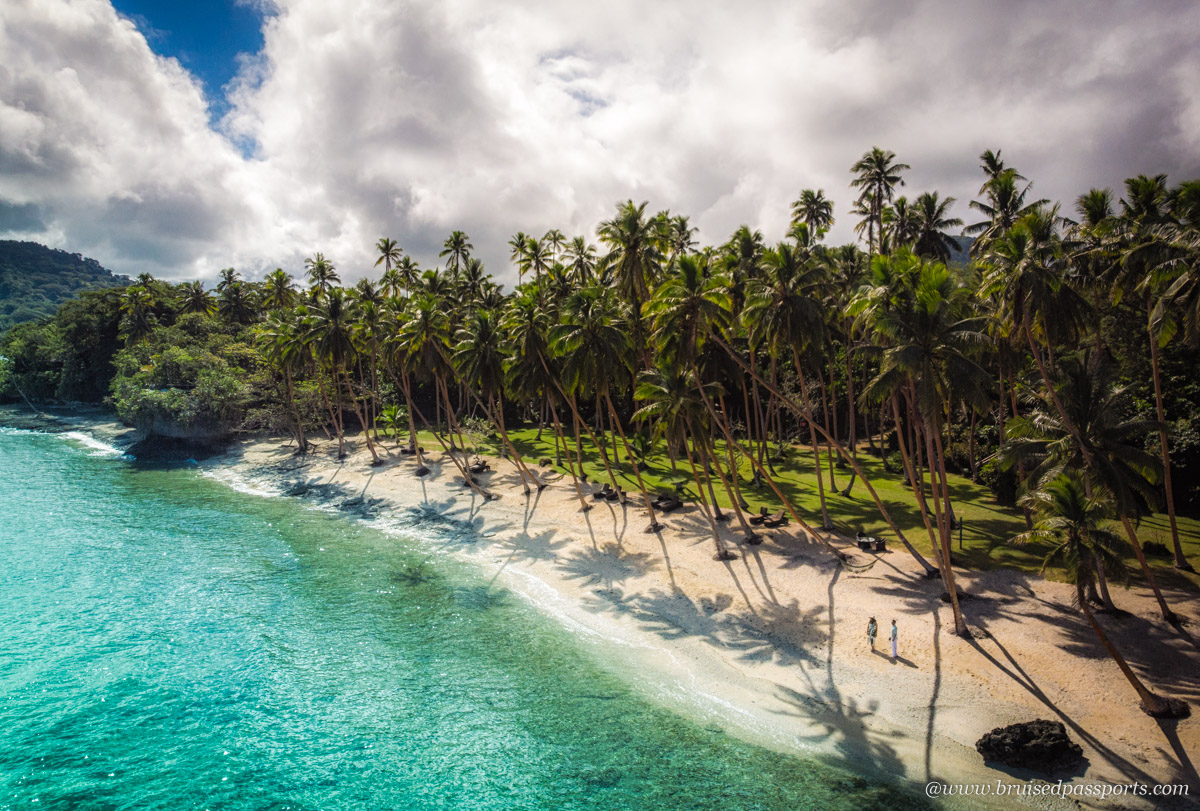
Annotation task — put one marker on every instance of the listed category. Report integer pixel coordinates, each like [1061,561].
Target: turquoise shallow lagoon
[169,642]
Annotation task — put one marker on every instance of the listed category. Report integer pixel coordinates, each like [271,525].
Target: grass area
[983,542]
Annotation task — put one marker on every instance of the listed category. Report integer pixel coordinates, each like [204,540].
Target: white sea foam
[242,484]
[98,446]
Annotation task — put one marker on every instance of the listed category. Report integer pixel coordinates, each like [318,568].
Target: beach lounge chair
[479,466]
[614,495]
[779,519]
[880,545]
[762,516]
[602,493]
[669,505]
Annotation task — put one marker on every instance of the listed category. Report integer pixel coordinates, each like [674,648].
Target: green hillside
[35,279]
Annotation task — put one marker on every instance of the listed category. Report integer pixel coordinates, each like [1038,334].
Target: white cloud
[367,118]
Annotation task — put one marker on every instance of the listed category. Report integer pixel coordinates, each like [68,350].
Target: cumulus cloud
[365,118]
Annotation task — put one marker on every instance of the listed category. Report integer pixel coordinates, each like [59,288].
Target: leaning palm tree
[594,350]
[1073,523]
[1096,439]
[928,335]
[479,362]
[670,402]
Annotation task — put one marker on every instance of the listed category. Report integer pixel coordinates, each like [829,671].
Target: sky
[182,138]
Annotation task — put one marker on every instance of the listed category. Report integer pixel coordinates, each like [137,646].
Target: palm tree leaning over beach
[1073,523]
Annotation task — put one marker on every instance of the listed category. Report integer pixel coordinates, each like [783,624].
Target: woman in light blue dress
[895,631]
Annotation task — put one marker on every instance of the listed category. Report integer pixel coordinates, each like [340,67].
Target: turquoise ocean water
[169,642]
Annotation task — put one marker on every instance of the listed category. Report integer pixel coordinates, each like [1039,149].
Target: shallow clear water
[168,642]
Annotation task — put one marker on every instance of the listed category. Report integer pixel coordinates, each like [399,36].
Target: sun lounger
[669,505]
[613,495]
[776,520]
[480,467]
[758,519]
[602,493]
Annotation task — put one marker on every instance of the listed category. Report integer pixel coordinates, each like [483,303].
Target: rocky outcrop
[1042,746]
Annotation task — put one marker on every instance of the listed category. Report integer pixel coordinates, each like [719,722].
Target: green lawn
[987,526]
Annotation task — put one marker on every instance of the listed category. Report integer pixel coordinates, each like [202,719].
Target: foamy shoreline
[769,646]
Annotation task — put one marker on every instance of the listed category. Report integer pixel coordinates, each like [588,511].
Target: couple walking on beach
[873,630]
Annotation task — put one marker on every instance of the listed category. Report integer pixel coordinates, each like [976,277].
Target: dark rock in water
[157,448]
[1038,745]
[296,489]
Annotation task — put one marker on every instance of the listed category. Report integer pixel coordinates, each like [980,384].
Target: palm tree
[229,277]
[321,275]
[1004,207]
[1106,447]
[236,304]
[931,223]
[479,360]
[581,260]
[331,332]
[900,220]
[195,299]
[279,292]
[929,334]
[877,175]
[680,236]
[137,314]
[389,253]
[593,349]
[634,253]
[670,403]
[456,249]
[283,345]
[815,210]
[1072,521]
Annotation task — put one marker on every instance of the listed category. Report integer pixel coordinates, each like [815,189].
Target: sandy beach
[772,646]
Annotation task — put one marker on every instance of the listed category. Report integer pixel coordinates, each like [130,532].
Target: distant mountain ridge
[35,279]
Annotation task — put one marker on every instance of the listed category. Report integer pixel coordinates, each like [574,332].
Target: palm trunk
[612,414]
[291,395]
[1167,614]
[825,400]
[366,428]
[1180,561]
[722,552]
[960,625]
[1152,704]
[851,413]
[583,505]
[826,522]
[915,483]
